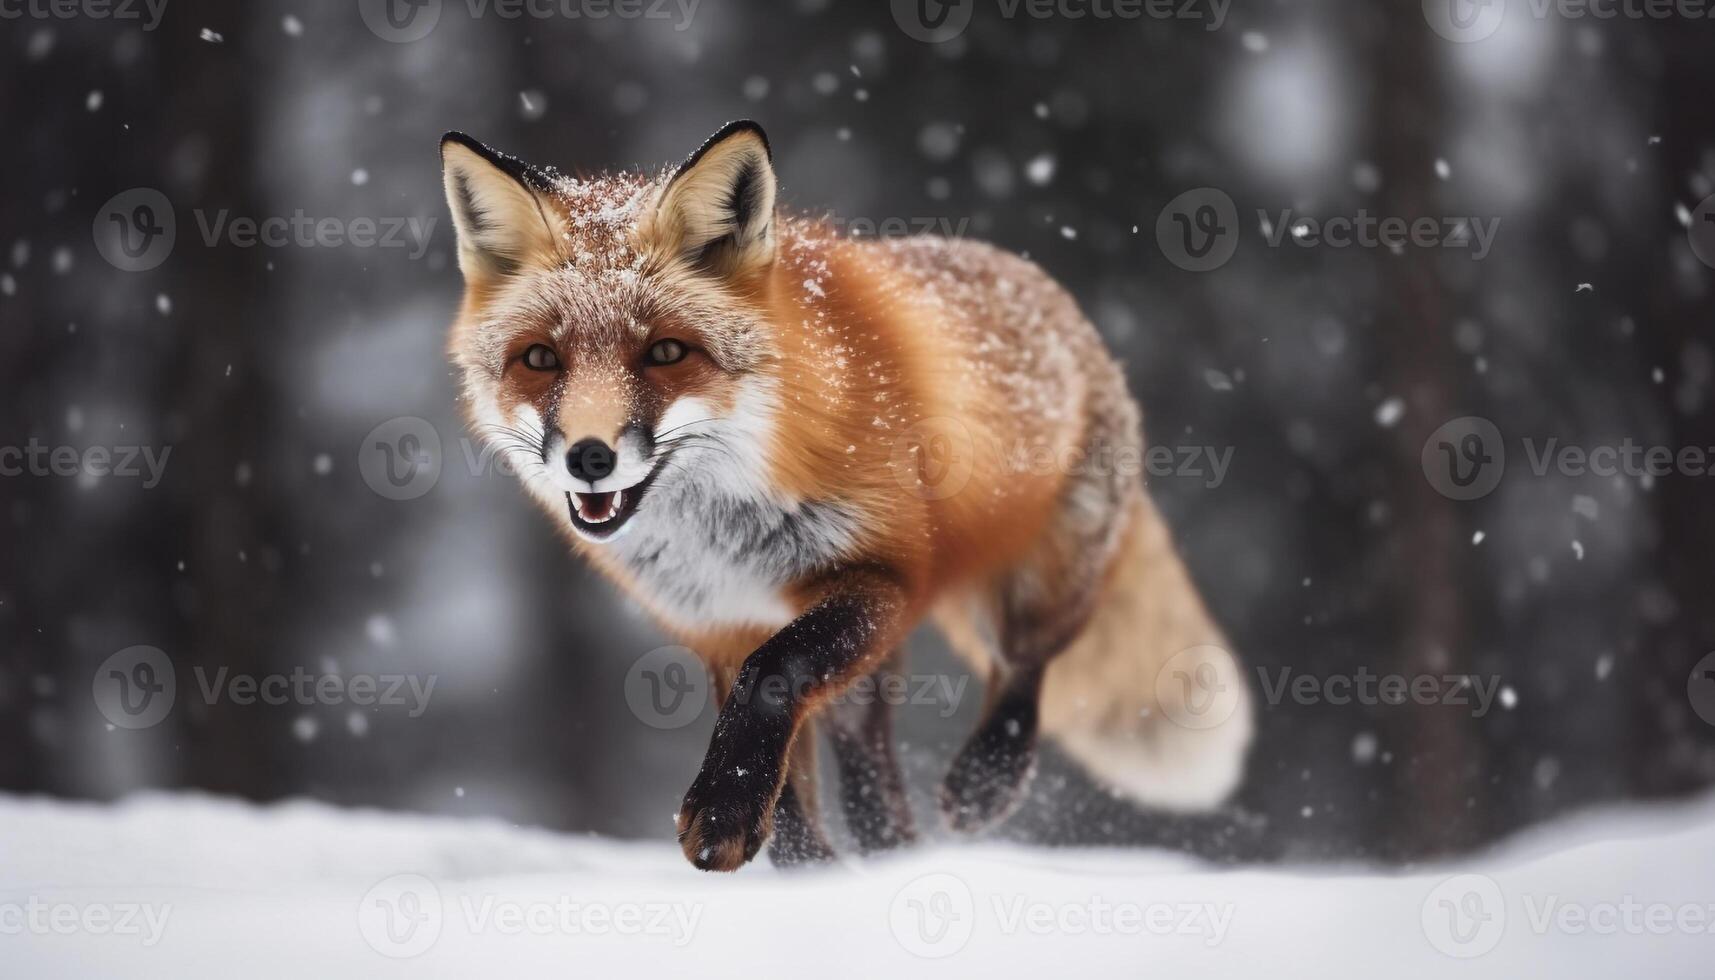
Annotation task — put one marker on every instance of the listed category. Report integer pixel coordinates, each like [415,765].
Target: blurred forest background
[1325,548]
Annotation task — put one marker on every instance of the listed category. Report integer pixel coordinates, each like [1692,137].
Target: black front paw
[727,814]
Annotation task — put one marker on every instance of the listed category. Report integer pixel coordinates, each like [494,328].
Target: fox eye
[665,352]
[540,357]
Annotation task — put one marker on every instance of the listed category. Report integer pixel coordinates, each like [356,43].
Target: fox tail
[1149,699]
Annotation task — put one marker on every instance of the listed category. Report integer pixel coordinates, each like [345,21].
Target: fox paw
[879,829]
[799,847]
[797,840]
[987,780]
[726,817]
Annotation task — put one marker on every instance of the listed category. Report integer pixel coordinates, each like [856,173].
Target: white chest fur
[709,558]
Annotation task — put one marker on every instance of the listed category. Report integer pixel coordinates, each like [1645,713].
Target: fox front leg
[728,811]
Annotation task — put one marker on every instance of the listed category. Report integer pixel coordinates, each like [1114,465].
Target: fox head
[612,332]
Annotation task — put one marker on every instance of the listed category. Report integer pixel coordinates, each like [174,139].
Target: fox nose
[590,460]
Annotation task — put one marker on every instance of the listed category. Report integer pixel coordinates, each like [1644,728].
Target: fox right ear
[504,218]
[717,211]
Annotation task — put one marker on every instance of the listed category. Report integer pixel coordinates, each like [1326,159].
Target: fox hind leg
[1038,609]
[872,788]
[798,838]
[988,776]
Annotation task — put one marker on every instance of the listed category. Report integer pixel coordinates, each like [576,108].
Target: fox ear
[718,210]
[503,215]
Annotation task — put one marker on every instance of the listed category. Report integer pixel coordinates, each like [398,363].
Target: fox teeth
[612,510]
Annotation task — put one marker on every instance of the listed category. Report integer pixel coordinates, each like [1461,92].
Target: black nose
[590,460]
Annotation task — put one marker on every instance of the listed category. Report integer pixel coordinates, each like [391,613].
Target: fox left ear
[717,212]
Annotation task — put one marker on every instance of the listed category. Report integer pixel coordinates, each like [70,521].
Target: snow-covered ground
[184,887]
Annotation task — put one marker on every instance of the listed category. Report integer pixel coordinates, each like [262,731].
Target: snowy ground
[184,887]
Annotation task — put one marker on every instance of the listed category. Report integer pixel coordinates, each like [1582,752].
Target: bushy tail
[1149,699]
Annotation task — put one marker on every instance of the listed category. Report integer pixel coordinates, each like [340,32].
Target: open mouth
[601,515]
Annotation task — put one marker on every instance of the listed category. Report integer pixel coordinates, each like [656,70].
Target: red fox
[792,446]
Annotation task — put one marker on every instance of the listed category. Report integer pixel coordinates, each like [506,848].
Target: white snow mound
[187,886]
